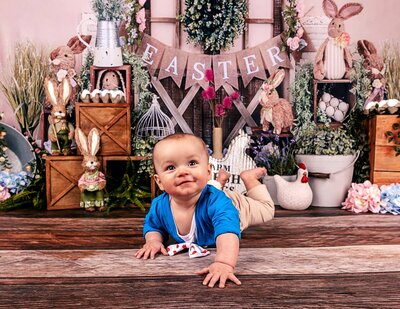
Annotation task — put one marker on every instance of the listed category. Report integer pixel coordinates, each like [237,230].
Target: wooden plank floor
[318,258]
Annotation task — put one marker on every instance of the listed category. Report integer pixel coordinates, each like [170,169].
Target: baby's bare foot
[223,176]
[254,173]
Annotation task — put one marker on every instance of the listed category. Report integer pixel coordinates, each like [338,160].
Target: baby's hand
[150,248]
[218,271]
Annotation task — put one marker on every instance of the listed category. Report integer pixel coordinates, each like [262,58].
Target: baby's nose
[182,170]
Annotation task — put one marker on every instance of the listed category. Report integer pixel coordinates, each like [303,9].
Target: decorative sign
[174,63]
[235,161]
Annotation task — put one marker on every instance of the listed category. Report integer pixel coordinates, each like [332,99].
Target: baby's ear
[158,181]
[209,169]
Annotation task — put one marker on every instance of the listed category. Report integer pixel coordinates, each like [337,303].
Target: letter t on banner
[225,70]
[152,51]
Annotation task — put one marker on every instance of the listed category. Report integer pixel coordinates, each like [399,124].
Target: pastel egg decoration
[333,107]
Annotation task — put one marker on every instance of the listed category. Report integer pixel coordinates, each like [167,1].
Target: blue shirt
[214,215]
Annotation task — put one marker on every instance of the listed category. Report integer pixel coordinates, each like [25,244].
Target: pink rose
[293,43]
[4,194]
[300,32]
[141,16]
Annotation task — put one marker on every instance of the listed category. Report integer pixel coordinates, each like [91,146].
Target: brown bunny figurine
[92,182]
[60,131]
[275,110]
[376,67]
[333,59]
[62,61]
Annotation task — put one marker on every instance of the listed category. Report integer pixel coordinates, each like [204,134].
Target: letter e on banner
[152,51]
[250,65]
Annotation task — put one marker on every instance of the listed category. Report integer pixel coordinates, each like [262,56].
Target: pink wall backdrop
[50,23]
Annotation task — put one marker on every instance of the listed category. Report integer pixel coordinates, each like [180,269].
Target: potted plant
[329,155]
[275,153]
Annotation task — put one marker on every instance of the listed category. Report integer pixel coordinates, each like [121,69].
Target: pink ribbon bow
[194,250]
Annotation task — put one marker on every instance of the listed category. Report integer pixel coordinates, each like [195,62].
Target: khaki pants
[255,207]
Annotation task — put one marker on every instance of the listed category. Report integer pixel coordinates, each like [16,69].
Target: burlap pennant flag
[151,51]
[225,70]
[173,64]
[197,64]
[273,55]
[250,65]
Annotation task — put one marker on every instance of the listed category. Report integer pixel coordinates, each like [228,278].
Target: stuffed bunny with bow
[376,68]
[275,110]
[60,132]
[62,61]
[333,59]
[92,182]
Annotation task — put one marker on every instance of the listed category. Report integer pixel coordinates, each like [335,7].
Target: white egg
[330,111]
[326,97]
[334,102]
[322,105]
[339,115]
[344,107]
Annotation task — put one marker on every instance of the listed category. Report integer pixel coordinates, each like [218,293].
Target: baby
[194,212]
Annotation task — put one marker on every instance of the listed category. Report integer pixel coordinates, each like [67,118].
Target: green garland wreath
[214,25]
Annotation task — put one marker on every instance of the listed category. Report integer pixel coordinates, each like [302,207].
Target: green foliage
[301,91]
[357,122]
[4,161]
[214,25]
[84,77]
[130,192]
[108,10]
[144,147]
[324,140]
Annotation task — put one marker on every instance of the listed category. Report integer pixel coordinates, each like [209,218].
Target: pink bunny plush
[275,110]
[333,59]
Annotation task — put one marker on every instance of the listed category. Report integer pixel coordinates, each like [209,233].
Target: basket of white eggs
[333,107]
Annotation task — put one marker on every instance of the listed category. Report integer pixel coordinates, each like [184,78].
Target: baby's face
[182,168]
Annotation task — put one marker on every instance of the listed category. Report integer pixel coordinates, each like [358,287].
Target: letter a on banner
[152,51]
[225,70]
[173,64]
[195,72]
[273,55]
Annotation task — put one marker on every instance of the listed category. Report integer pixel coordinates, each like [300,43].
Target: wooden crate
[385,166]
[124,72]
[113,122]
[62,175]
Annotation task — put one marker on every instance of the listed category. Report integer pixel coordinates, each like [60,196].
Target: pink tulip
[219,110]
[142,2]
[209,75]
[142,27]
[235,95]
[227,102]
[211,92]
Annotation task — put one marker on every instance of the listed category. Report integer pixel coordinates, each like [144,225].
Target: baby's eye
[65,55]
[170,168]
[192,163]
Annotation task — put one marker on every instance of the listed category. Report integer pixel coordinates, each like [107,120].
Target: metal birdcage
[154,123]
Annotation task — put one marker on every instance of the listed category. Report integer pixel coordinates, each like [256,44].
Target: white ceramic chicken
[296,195]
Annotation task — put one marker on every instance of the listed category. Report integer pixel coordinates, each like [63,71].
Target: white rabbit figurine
[92,182]
[275,110]
[333,59]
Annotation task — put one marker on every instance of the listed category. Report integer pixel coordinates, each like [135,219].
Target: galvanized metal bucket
[107,34]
